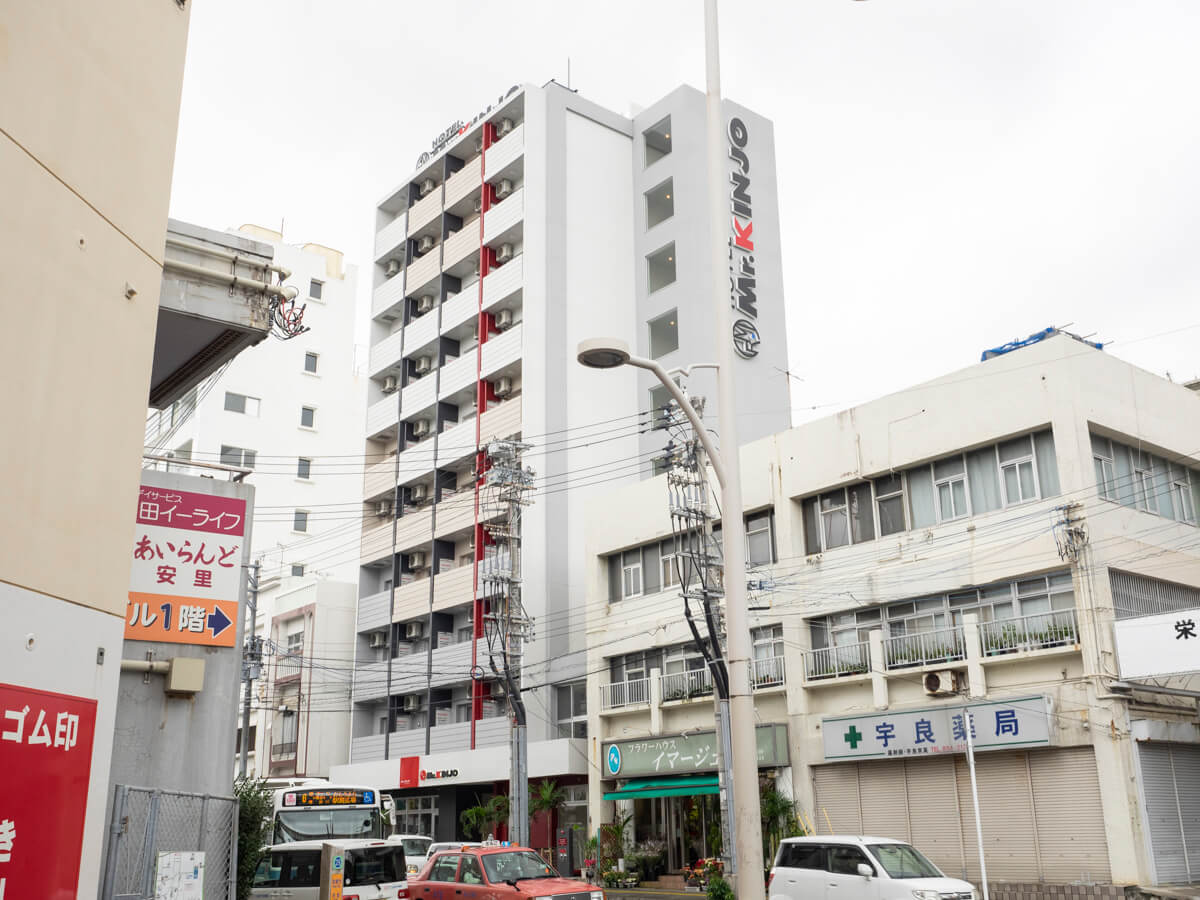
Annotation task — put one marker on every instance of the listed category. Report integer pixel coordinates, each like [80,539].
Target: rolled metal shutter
[1070,819]
[933,812]
[883,799]
[1007,813]
[1185,760]
[1162,813]
[835,791]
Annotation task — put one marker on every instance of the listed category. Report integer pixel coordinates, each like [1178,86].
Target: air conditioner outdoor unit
[424,364]
[383,508]
[941,683]
[389,384]
[506,125]
[421,427]
[411,702]
[425,244]
[504,188]
[505,253]
[504,319]
[414,630]
[418,493]
[416,560]
[504,386]
[378,639]
[425,303]
[478,204]
[393,267]
[427,187]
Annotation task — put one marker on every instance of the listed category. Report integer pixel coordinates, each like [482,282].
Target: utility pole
[251,662]
[505,624]
[698,570]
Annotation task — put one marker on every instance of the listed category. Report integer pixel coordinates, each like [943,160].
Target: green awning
[682,786]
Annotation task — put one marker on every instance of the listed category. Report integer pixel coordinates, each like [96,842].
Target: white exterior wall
[1059,382]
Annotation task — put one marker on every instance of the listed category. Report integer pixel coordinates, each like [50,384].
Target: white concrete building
[291,411]
[544,220]
[969,543]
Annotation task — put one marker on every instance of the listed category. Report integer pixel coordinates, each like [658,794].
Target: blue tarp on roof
[1032,339]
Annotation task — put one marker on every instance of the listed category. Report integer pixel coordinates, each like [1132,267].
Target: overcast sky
[953,173]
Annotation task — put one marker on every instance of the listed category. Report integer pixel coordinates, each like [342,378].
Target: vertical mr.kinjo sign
[743,283]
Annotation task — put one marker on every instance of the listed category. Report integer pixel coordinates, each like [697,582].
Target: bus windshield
[293,825]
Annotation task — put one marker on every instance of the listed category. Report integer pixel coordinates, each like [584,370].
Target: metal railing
[684,685]
[767,672]
[1037,632]
[836,662]
[625,693]
[924,648]
[286,750]
[288,666]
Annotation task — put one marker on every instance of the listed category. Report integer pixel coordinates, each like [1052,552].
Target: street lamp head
[603,353]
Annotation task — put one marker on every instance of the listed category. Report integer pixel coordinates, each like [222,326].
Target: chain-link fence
[146,822]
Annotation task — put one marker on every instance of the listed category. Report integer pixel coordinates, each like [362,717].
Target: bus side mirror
[865,871]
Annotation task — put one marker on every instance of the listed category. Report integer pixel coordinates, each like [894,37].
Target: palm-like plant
[546,797]
[484,818]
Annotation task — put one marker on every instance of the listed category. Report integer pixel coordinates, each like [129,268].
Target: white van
[374,871]
[416,849]
[840,867]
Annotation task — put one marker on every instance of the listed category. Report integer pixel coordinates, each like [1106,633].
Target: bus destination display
[329,798]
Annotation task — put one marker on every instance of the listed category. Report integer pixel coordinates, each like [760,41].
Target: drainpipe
[250,284]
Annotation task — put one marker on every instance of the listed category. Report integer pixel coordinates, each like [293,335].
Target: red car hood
[539,887]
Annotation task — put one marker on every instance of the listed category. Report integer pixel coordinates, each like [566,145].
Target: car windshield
[903,861]
[515,866]
[415,846]
[375,865]
[309,824]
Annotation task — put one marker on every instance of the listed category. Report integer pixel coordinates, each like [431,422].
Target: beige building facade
[89,106]
[959,552]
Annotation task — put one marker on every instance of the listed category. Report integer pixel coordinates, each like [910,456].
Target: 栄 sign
[186,570]
[46,758]
[1152,646]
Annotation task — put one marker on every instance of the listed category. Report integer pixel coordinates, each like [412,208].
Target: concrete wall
[89,105]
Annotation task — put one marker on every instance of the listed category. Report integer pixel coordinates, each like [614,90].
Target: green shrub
[719,889]
[255,803]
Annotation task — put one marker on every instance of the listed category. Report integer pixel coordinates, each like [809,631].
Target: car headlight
[926,895]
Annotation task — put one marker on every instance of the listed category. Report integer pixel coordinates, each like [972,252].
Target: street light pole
[747,822]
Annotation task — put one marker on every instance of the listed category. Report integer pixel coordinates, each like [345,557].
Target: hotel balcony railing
[502,283]
[924,648]
[1037,632]
[686,685]
[285,750]
[289,666]
[834,662]
[625,693]
[387,297]
[391,236]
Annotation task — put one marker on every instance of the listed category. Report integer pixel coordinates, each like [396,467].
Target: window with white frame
[889,500]
[950,482]
[682,658]
[416,815]
[462,712]
[1183,482]
[303,468]
[767,641]
[308,417]
[1018,474]
[300,520]
[295,643]
[631,573]
[315,288]
[633,666]
[310,363]
[570,708]
[1145,481]
[297,570]
[1106,472]
[760,544]
[1144,494]
[240,403]
[237,456]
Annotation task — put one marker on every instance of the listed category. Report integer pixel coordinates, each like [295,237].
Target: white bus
[321,811]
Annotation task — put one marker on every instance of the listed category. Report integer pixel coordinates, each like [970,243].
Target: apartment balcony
[387,298]
[925,648]
[503,216]
[691,685]
[419,395]
[453,587]
[625,694]
[283,751]
[458,374]
[391,236]
[412,600]
[422,271]
[502,283]
[386,354]
[467,179]
[837,662]
[452,665]
[490,732]
[501,350]
[380,479]
[373,612]
[420,332]
[461,245]
[456,513]
[424,211]
[461,308]
[501,421]
[401,743]
[1047,631]
[370,681]
[412,531]
[288,667]
[505,151]
[767,672]
[456,442]
[382,416]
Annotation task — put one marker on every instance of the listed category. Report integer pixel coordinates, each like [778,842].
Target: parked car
[440,847]
[416,849]
[374,870]
[473,873]
[840,867]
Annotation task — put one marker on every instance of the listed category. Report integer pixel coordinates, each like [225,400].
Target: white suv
[374,871]
[840,867]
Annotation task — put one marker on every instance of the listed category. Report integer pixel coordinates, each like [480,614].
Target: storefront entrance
[679,817]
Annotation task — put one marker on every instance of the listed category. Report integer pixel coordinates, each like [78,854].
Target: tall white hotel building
[539,222]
